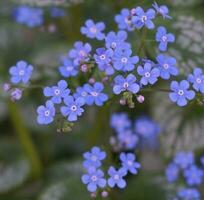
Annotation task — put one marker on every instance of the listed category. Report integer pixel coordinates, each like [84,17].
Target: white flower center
[147,74]
[198,80]
[95,94]
[164,38]
[166,66]
[113,45]
[69,68]
[144,18]
[83,94]
[116,177]
[126,85]
[73,108]
[181,92]
[47,113]
[82,53]
[57,92]
[94,178]
[21,72]
[129,162]
[93,158]
[124,60]
[102,57]
[93,30]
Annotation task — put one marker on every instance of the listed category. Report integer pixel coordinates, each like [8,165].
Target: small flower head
[184,159]
[93,30]
[46,113]
[181,93]
[94,179]
[6,87]
[72,108]
[68,68]
[122,84]
[167,66]
[162,10]
[21,72]
[16,94]
[172,172]
[197,79]
[164,38]
[129,163]
[80,52]
[189,194]
[57,93]
[140,98]
[143,18]
[93,158]
[149,74]
[116,177]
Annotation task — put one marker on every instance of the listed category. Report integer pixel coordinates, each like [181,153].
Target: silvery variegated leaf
[182,127]
[189,45]
[184,3]
[13,175]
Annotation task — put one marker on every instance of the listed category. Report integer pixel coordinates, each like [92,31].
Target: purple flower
[189,194]
[128,139]
[128,162]
[56,12]
[172,172]
[95,94]
[164,38]
[143,18]
[197,79]
[68,68]
[21,72]
[122,84]
[184,159]
[117,40]
[80,53]
[120,122]
[149,74]
[124,20]
[92,30]
[166,66]
[46,113]
[94,179]
[122,60]
[57,92]
[180,93]
[73,108]
[116,177]
[93,158]
[193,175]
[16,94]
[162,10]
[103,58]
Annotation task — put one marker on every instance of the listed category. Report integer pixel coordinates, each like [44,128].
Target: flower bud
[104,194]
[84,68]
[91,80]
[16,94]
[140,99]
[6,87]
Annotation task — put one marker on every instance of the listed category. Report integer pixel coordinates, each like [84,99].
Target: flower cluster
[20,74]
[184,166]
[95,178]
[143,132]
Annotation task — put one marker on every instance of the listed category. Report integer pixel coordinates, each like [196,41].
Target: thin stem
[25,139]
[142,44]
[155,90]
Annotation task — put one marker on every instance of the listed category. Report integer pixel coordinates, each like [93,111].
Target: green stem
[25,139]
[142,44]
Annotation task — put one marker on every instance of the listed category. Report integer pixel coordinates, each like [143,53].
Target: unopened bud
[16,94]
[84,68]
[140,99]
[91,80]
[93,195]
[104,194]
[122,102]
[6,87]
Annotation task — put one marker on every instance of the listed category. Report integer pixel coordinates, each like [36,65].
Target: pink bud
[122,102]
[104,194]
[93,195]
[140,99]
[6,87]
[52,28]
[133,11]
[105,79]
[84,68]
[91,80]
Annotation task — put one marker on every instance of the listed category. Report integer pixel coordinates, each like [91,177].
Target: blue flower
[46,113]
[164,38]
[73,108]
[128,139]
[189,194]
[184,159]
[124,20]
[80,53]
[202,160]
[197,79]
[29,16]
[92,30]
[21,72]
[149,74]
[103,58]
[116,177]
[180,93]
[81,92]
[16,94]
[146,128]
[57,92]
[122,60]
[129,163]
[68,68]
[120,122]
[93,158]
[167,66]
[117,40]
[95,94]
[143,18]
[122,84]
[56,12]
[162,10]
[193,175]
[172,172]
[94,179]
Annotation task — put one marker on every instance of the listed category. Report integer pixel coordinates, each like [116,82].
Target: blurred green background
[37,162]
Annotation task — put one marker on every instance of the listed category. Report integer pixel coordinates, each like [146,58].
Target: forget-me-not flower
[189,194]
[162,10]
[68,68]
[172,172]
[184,159]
